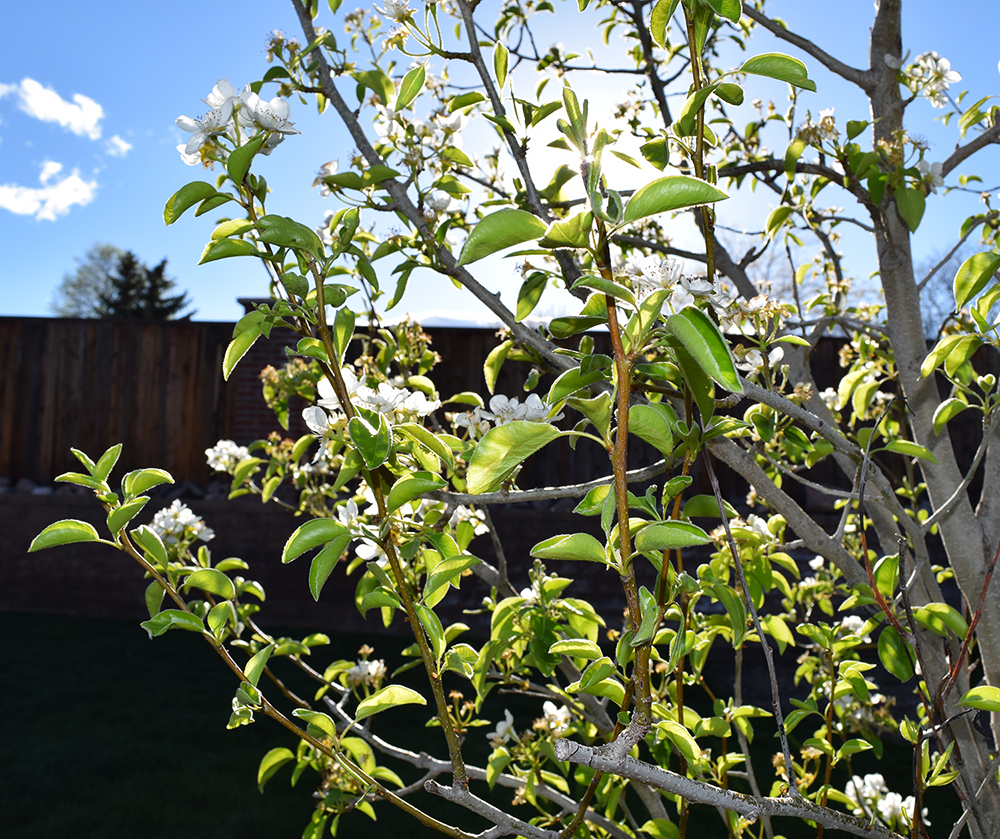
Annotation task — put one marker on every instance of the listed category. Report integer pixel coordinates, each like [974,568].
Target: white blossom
[225,455]
[854,625]
[504,410]
[504,730]
[178,523]
[755,360]
[931,173]
[212,124]
[397,10]
[557,719]
[477,518]
[366,673]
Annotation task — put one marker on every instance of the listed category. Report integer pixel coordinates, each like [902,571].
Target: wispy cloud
[82,116]
[54,198]
[117,147]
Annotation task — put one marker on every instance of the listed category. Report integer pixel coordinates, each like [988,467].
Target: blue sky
[87,133]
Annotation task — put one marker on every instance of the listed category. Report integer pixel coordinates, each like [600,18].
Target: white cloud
[50,200]
[117,147]
[82,116]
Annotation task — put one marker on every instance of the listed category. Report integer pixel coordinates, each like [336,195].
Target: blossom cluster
[238,116]
[395,403]
[871,796]
[225,455]
[177,524]
[647,274]
[929,75]
[504,409]
[370,673]
[823,130]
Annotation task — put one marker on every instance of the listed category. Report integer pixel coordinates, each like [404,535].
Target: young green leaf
[502,449]
[172,619]
[573,546]
[973,275]
[673,192]
[500,230]
[410,487]
[185,198]
[213,581]
[500,58]
[64,532]
[324,562]
[410,87]
[271,763]
[784,68]
[670,535]
[120,516]
[389,697]
[707,346]
[984,698]
[310,535]
[255,666]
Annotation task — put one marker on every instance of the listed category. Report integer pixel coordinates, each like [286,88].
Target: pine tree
[139,292]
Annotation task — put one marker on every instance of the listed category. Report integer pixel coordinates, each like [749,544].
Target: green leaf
[670,193]
[576,648]
[500,230]
[465,100]
[571,546]
[570,382]
[150,542]
[213,581]
[255,666]
[784,68]
[185,198]
[940,617]
[389,697]
[310,535]
[410,487]
[500,59]
[911,450]
[946,411]
[322,722]
[343,331]
[271,763]
[448,571]
[172,619]
[656,152]
[910,202]
[702,339]
[729,9]
[494,361]
[225,248]
[325,561]
[502,449]
[596,672]
[670,535]
[574,232]
[894,653]
[107,462]
[682,739]
[730,93]
[776,219]
[649,424]
[373,444]
[64,532]
[650,617]
[410,87]
[120,516]
[984,697]
[239,160]
[530,293]
[734,609]
[687,120]
[238,348]
[973,276]
[137,482]
[855,127]
[792,155]
[377,82]
[660,19]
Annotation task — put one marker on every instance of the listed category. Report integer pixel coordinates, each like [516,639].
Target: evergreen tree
[115,284]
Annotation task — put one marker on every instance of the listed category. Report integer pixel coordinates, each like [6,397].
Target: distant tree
[112,283]
[79,293]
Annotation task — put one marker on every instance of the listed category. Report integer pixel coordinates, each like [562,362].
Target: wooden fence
[155,387]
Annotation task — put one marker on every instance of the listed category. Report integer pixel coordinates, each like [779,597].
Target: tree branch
[861,78]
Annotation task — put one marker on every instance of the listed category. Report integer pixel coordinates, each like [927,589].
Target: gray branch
[749,806]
